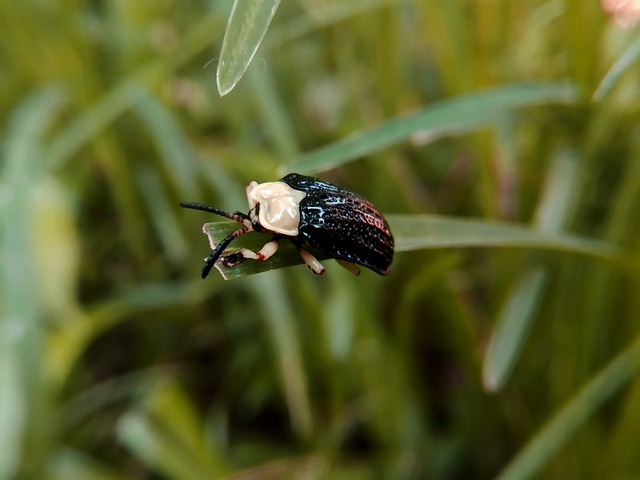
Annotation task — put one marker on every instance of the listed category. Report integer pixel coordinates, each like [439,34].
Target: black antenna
[215,254]
[239,217]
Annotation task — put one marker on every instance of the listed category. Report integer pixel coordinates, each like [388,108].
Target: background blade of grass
[247,25]
[287,374]
[75,464]
[282,327]
[166,434]
[21,379]
[512,325]
[90,122]
[13,413]
[624,62]
[557,431]
[179,159]
[557,203]
[448,117]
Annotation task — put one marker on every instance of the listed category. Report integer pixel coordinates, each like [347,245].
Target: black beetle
[310,213]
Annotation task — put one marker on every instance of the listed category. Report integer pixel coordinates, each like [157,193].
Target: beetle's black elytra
[310,213]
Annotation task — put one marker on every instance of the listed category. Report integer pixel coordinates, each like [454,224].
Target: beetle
[312,214]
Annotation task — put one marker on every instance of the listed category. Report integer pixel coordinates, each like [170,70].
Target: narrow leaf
[166,433]
[416,232]
[512,327]
[448,117]
[69,463]
[247,25]
[575,413]
[623,64]
[20,350]
[520,307]
[281,321]
[286,256]
[176,152]
[90,122]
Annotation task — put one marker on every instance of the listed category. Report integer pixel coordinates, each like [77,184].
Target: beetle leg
[215,254]
[268,249]
[349,266]
[265,252]
[312,262]
[232,259]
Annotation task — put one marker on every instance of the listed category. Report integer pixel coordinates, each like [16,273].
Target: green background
[502,141]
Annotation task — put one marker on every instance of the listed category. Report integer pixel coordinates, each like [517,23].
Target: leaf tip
[224,86]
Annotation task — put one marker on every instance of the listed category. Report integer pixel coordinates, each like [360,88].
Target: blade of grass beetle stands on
[286,256]
[448,117]
[245,30]
[416,232]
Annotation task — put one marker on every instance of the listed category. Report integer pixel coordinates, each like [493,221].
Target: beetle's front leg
[265,252]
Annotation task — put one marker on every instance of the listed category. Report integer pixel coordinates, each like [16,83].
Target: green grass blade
[281,322]
[271,108]
[626,60]
[286,256]
[157,447]
[120,97]
[514,322]
[69,463]
[166,433]
[560,193]
[90,122]
[520,307]
[246,28]
[176,153]
[13,413]
[417,232]
[318,15]
[20,369]
[162,215]
[574,414]
[448,117]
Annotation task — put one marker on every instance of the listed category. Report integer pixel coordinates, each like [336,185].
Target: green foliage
[498,138]
[248,22]
[456,116]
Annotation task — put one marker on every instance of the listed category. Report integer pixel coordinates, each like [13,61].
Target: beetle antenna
[215,254]
[239,217]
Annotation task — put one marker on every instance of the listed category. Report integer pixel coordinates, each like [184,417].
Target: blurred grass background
[117,361]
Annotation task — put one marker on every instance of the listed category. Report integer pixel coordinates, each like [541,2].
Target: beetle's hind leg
[312,262]
[349,266]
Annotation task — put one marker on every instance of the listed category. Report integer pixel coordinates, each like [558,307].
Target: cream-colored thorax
[279,206]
